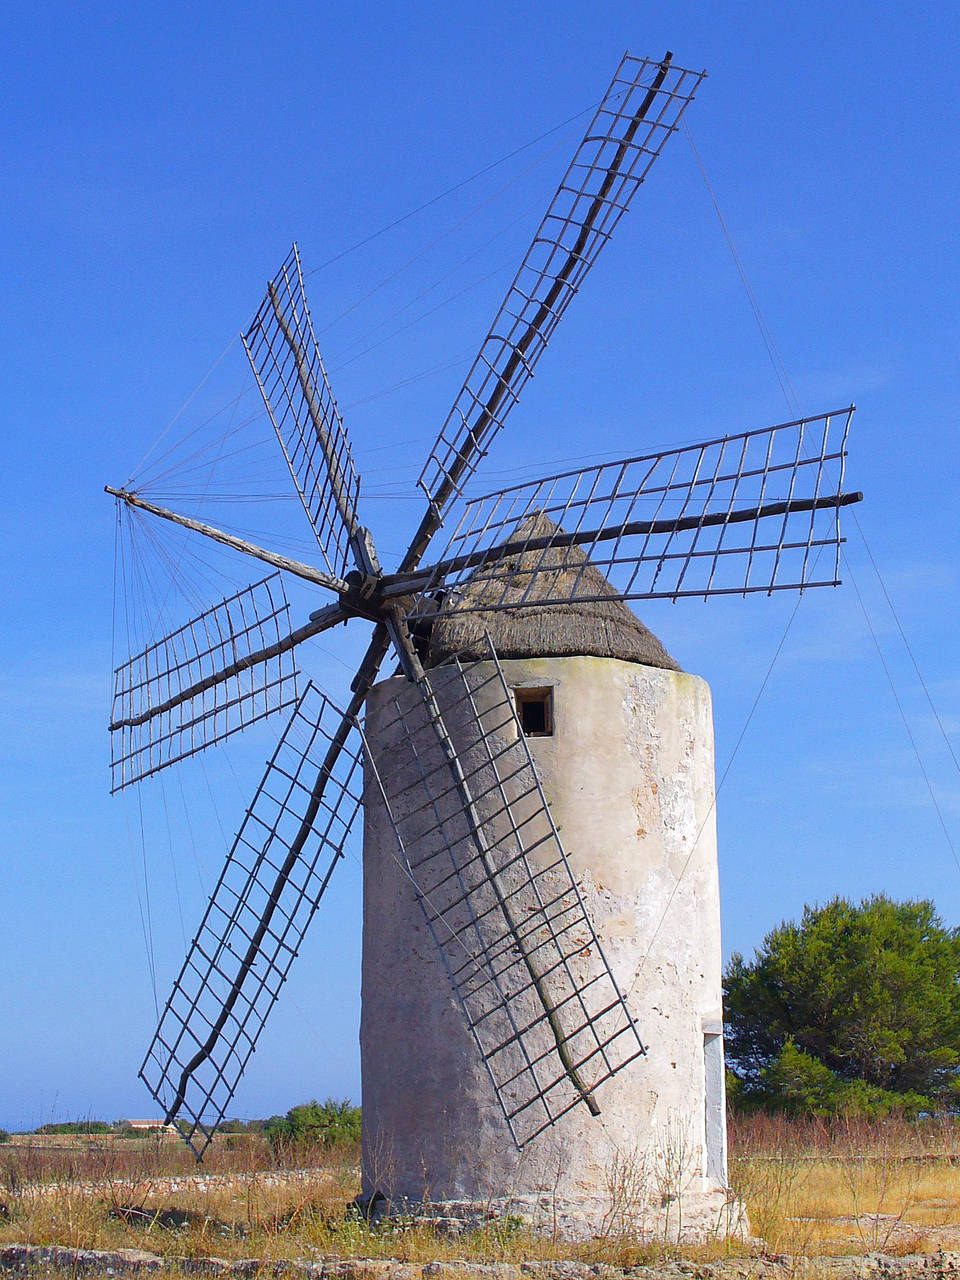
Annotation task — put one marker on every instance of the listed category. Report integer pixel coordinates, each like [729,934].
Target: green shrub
[854,1010]
[797,1083]
[77,1126]
[327,1124]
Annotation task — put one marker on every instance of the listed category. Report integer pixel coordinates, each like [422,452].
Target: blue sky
[158,161]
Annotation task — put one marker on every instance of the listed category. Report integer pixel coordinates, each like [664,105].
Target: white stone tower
[623,742]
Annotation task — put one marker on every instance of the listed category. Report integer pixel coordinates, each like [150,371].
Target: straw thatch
[604,628]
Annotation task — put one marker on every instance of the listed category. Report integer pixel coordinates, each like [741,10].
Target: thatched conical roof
[603,628]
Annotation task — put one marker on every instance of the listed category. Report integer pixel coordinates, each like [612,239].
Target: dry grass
[247,1204]
[75,1157]
[810,1189]
[849,1187]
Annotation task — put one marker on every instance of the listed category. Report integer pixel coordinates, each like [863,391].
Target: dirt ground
[842,1199]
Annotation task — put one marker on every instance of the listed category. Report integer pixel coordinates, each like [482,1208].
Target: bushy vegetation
[853,1011]
[328,1124]
[77,1126]
[323,1125]
[241,1126]
[811,1188]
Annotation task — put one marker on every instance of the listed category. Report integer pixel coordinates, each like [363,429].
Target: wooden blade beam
[296,567]
[413,670]
[322,620]
[370,666]
[471,444]
[608,167]
[338,484]
[283,353]
[403,584]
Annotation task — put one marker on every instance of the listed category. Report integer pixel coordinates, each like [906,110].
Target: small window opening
[535,712]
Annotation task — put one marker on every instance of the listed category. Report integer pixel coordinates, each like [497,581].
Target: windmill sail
[758,511]
[285,359]
[752,512]
[499,896]
[210,678]
[290,841]
[639,111]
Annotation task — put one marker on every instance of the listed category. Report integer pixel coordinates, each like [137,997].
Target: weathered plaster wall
[629,776]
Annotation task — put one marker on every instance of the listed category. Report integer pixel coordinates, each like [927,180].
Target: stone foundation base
[695,1218]
[32,1260]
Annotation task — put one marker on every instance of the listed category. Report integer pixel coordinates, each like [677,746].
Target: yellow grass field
[810,1189]
[849,1187]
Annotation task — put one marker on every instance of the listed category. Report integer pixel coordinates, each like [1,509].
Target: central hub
[363,599]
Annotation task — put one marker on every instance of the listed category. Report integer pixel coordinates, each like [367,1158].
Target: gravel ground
[51,1260]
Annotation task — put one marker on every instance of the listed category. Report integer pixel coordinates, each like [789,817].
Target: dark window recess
[535,712]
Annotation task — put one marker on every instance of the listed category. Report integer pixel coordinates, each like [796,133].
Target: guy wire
[906,642]
[719,787]
[793,406]
[457,186]
[906,726]
[359,245]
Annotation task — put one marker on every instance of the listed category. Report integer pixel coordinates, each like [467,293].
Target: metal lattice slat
[739,514]
[285,358]
[499,896]
[212,677]
[281,861]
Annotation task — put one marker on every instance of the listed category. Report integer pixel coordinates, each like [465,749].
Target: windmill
[446,766]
